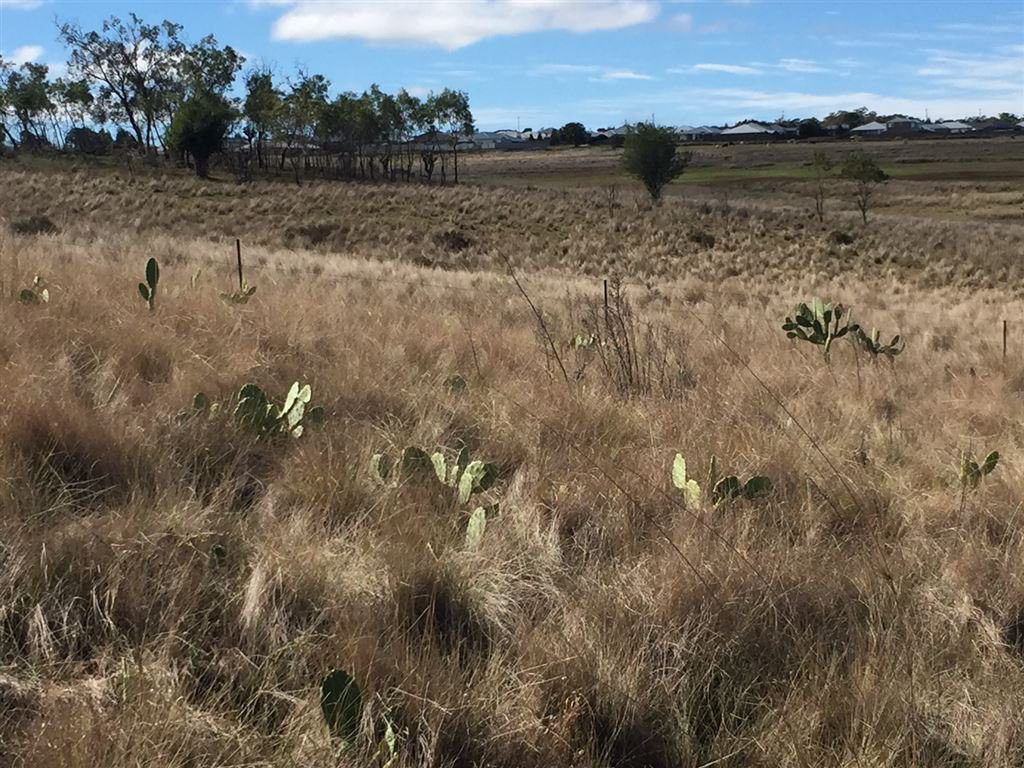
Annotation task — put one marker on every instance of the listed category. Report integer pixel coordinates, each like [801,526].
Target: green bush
[652,155]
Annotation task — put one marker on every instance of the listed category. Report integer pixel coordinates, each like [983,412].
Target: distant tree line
[162,96]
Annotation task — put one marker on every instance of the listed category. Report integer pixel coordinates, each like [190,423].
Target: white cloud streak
[594,72]
[729,69]
[450,24]
[26,54]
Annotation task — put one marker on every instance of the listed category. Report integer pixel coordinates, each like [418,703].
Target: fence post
[606,301]
[238,252]
[1004,341]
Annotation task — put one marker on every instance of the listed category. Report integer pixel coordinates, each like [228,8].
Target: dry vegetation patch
[173,588]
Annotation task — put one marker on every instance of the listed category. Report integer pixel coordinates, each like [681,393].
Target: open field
[931,178]
[173,587]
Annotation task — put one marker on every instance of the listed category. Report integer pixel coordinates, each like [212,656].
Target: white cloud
[26,54]
[624,74]
[450,24]
[729,69]
[21,5]
[802,65]
[740,100]
[682,22]
[980,73]
[596,72]
[984,29]
[566,69]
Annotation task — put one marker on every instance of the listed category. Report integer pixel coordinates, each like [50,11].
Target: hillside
[175,584]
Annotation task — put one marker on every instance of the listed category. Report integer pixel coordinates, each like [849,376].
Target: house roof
[748,129]
[703,130]
[870,127]
[953,125]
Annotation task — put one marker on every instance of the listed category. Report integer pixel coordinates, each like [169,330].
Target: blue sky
[603,62]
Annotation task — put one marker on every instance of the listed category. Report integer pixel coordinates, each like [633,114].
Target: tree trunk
[202,166]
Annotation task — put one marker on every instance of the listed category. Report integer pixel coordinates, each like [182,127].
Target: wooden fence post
[238,252]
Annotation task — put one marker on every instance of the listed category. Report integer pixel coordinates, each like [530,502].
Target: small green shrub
[838,237]
[452,240]
[39,224]
[702,238]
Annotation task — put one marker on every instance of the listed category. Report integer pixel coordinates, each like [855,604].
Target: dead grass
[172,591]
[766,234]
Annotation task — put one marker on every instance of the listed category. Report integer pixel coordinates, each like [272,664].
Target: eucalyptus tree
[261,108]
[456,119]
[131,64]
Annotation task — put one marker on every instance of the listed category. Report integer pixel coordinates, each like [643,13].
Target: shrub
[652,155]
[864,172]
[199,128]
[452,240]
[702,238]
[39,224]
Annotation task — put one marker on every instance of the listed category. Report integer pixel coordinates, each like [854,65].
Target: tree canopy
[652,155]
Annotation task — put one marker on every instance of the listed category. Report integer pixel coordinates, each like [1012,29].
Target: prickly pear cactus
[148,289]
[689,486]
[819,324]
[972,473]
[341,702]
[875,348]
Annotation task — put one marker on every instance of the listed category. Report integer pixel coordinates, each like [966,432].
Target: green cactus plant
[38,293]
[819,324]
[582,341]
[239,296]
[475,528]
[972,473]
[382,466]
[416,461]
[465,476]
[456,384]
[256,411]
[148,289]
[690,488]
[731,487]
[341,702]
[874,347]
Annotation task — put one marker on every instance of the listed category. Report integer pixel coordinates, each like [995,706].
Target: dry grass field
[173,587]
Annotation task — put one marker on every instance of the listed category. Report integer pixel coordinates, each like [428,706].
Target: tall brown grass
[172,591]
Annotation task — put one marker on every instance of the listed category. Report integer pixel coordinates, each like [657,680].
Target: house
[784,130]
[949,126]
[750,130]
[995,127]
[873,128]
[903,126]
[700,133]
